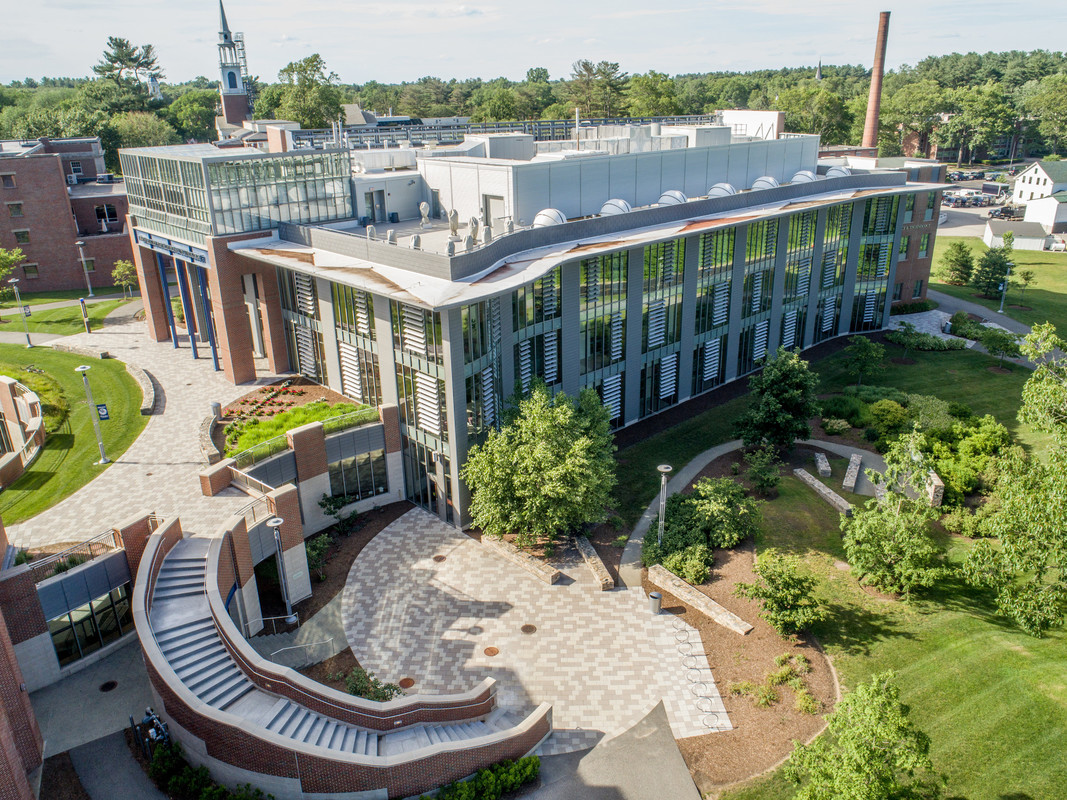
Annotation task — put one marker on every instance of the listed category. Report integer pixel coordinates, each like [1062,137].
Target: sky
[402,40]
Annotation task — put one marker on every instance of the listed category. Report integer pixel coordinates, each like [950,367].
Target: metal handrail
[272,620]
[248,482]
[258,452]
[45,567]
[299,646]
[352,419]
[251,508]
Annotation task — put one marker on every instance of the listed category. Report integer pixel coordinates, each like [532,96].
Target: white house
[1040,179]
[1028,235]
[1050,212]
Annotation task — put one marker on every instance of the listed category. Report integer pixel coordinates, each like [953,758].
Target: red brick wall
[285,503]
[216,478]
[144,261]
[15,703]
[308,444]
[242,552]
[4,542]
[134,535]
[913,268]
[13,782]
[19,606]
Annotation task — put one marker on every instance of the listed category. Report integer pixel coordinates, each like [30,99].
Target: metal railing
[258,452]
[272,620]
[305,648]
[255,512]
[105,543]
[248,483]
[353,419]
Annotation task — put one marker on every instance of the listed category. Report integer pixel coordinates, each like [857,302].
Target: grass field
[992,700]
[60,321]
[38,298]
[65,464]
[1047,296]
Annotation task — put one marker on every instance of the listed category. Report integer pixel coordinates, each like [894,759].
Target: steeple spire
[818,69]
[224,27]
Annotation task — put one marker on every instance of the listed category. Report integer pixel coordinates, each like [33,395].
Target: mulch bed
[312,393]
[903,361]
[59,781]
[324,672]
[761,736]
[339,559]
[999,370]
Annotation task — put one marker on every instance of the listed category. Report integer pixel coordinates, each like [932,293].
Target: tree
[124,275]
[787,595]
[1048,105]
[651,95]
[888,542]
[993,269]
[908,337]
[812,109]
[121,60]
[1026,280]
[869,751]
[783,400]
[763,469]
[985,114]
[957,264]
[141,129]
[610,83]
[863,358]
[583,86]
[916,109]
[1000,344]
[193,114]
[549,469]
[309,94]
[1027,567]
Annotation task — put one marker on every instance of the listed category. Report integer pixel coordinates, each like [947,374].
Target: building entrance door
[375,204]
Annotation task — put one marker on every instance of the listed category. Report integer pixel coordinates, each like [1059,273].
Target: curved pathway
[630,568]
[160,470]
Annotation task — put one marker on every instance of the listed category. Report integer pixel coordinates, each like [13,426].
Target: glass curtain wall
[661,328]
[537,319]
[167,195]
[88,628]
[761,245]
[872,271]
[831,271]
[602,327]
[714,279]
[799,257]
[481,366]
[357,345]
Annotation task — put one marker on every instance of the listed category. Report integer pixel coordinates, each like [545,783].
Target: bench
[822,464]
[592,560]
[825,492]
[852,474]
[539,569]
[148,388]
[663,578]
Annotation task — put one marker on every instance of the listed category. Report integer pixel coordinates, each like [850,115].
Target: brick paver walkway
[600,658]
[160,471]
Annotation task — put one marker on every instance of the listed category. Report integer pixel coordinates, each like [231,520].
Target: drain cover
[475,630]
[407,683]
[491,651]
[528,629]
[107,686]
[439,559]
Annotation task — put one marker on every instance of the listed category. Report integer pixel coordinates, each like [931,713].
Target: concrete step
[198,678]
[191,658]
[178,647]
[197,666]
[234,695]
[173,594]
[289,720]
[220,693]
[277,714]
[179,631]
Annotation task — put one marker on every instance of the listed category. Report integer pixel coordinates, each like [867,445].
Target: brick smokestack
[874,101]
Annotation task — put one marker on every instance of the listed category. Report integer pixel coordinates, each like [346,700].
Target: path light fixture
[93,413]
[18,302]
[1004,287]
[275,523]
[81,254]
[664,471]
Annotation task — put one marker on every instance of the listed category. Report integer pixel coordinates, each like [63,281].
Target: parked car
[1006,212]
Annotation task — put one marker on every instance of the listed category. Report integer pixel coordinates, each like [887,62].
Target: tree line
[969,103]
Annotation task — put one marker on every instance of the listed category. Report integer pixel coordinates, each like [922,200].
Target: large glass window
[359,477]
[662,307]
[760,251]
[714,272]
[538,302]
[418,332]
[477,331]
[88,628]
[353,310]
[602,310]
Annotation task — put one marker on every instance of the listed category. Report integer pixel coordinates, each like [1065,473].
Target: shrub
[890,417]
[835,427]
[316,548]
[912,308]
[848,408]
[765,696]
[960,411]
[23,557]
[963,325]
[926,342]
[805,703]
[717,514]
[364,684]
[492,782]
[763,469]
[872,394]
[871,434]
[787,596]
[167,761]
[929,412]
[690,564]
[190,783]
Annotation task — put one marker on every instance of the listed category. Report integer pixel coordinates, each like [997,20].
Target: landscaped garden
[67,460]
[63,321]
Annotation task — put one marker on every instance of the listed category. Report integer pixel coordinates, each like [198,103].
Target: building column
[168,310]
[635,295]
[247,590]
[689,318]
[383,336]
[144,261]
[891,277]
[285,503]
[308,443]
[815,279]
[208,325]
[272,329]
[231,326]
[187,305]
[455,413]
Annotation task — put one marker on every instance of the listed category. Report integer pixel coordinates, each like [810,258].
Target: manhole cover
[528,629]
[475,630]
[407,683]
[439,559]
[491,651]
[107,686]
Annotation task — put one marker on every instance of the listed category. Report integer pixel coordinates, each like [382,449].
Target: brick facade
[134,535]
[285,503]
[16,711]
[54,220]
[308,443]
[216,478]
[914,267]
[25,620]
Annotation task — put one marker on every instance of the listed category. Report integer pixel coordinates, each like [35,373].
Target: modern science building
[651,263]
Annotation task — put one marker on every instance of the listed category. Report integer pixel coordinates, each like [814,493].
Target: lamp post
[81,253]
[18,302]
[664,471]
[274,523]
[1004,287]
[92,413]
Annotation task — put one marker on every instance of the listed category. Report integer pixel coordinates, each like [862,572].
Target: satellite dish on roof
[672,197]
[613,207]
[766,182]
[722,190]
[549,216]
[804,176]
[838,172]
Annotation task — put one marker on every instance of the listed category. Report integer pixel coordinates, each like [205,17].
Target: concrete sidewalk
[951,305]
[108,771]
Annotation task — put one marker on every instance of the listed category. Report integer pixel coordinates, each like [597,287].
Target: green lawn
[37,298]
[66,462]
[1047,296]
[992,700]
[60,321]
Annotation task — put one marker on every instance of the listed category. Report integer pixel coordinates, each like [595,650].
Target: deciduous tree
[863,358]
[124,275]
[783,400]
[869,751]
[786,594]
[309,94]
[546,471]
